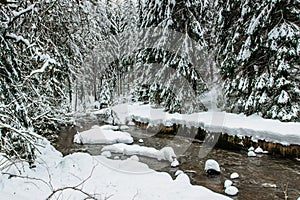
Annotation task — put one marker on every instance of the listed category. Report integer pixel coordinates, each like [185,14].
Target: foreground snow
[103,135]
[98,176]
[234,124]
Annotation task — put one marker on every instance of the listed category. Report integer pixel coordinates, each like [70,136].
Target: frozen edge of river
[253,126]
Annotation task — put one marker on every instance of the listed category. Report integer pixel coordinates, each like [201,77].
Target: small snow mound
[124,127]
[265,152]
[175,163]
[106,154]
[183,178]
[167,153]
[131,123]
[135,158]
[269,185]
[178,172]
[141,141]
[227,183]
[251,149]
[231,190]
[77,139]
[251,154]
[212,166]
[258,150]
[116,157]
[234,175]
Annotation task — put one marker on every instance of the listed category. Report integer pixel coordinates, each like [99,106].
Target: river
[264,177]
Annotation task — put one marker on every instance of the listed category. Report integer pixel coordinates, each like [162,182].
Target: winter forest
[136,84]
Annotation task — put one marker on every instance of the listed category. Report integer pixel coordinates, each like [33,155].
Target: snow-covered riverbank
[233,124]
[77,175]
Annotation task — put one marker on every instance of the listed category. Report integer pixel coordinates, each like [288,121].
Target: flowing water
[264,177]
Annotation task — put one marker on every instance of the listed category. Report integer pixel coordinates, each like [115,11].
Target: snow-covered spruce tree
[259,57]
[170,65]
[41,48]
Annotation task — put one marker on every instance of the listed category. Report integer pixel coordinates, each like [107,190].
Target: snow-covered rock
[251,154]
[124,127]
[102,135]
[234,175]
[131,123]
[269,185]
[227,183]
[175,163]
[265,152]
[141,140]
[231,190]
[251,149]
[178,172]
[298,198]
[212,166]
[107,154]
[134,157]
[258,150]
[166,153]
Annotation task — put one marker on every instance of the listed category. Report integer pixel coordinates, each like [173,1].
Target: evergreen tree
[259,57]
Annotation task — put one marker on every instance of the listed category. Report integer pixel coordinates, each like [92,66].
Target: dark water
[256,174]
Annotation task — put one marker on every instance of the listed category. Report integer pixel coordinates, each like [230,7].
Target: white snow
[258,150]
[283,97]
[251,149]
[98,176]
[175,163]
[227,183]
[29,8]
[102,135]
[106,154]
[212,165]
[18,38]
[269,185]
[134,157]
[251,154]
[234,124]
[141,140]
[178,172]
[166,153]
[234,175]
[231,190]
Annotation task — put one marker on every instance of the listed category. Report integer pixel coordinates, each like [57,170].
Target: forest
[60,57]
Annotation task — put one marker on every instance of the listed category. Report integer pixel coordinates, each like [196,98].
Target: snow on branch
[47,60]
[18,38]
[29,8]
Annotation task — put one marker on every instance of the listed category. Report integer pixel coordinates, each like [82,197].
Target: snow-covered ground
[103,135]
[77,175]
[215,121]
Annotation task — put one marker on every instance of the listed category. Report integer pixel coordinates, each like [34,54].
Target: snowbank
[234,124]
[103,135]
[98,176]
[166,153]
